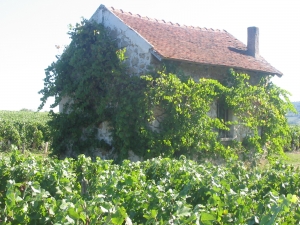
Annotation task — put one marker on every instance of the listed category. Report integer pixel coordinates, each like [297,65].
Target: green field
[23,130]
[24,116]
[293,158]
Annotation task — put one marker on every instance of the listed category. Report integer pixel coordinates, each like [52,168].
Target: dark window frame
[225,115]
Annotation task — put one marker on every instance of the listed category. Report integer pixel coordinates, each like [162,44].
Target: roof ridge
[164,22]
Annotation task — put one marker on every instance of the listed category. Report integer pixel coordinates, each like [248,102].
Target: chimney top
[253,41]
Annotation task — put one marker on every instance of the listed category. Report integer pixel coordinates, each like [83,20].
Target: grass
[34,153]
[293,158]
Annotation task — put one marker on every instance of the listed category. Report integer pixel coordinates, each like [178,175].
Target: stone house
[196,52]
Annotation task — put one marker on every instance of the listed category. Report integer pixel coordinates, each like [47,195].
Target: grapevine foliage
[90,73]
[158,191]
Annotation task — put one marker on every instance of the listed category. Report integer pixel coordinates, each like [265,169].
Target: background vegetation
[23,129]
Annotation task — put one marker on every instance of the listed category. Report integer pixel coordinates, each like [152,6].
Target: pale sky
[30,29]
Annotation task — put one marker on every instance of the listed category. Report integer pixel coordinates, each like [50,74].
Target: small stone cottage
[196,52]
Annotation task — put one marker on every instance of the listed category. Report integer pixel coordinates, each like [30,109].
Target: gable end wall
[138,49]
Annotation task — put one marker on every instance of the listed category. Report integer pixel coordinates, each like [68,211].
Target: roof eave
[279,74]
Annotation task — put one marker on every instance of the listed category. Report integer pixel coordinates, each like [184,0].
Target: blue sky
[30,29]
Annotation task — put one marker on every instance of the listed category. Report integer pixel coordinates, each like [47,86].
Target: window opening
[224,114]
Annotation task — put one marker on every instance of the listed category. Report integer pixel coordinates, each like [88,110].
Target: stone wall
[220,73]
[63,102]
[137,59]
[138,50]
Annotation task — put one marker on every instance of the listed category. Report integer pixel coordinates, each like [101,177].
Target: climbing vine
[86,76]
[158,114]
[261,109]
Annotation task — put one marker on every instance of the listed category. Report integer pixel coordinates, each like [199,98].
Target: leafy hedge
[23,129]
[158,191]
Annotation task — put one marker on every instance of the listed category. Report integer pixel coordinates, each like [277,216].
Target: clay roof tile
[193,44]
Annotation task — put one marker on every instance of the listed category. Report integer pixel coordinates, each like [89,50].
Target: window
[225,115]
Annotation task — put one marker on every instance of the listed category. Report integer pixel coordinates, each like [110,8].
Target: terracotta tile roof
[194,44]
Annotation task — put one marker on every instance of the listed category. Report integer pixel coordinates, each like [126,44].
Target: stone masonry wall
[220,73]
[137,59]
[137,48]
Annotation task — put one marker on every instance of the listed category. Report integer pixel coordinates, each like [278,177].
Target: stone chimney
[253,41]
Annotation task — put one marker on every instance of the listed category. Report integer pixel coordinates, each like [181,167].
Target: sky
[30,29]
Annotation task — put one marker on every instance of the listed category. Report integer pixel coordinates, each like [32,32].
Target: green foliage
[26,128]
[87,73]
[261,109]
[181,109]
[162,114]
[158,191]
[184,126]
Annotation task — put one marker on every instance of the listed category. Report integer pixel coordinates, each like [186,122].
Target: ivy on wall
[159,114]
[262,109]
[89,72]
